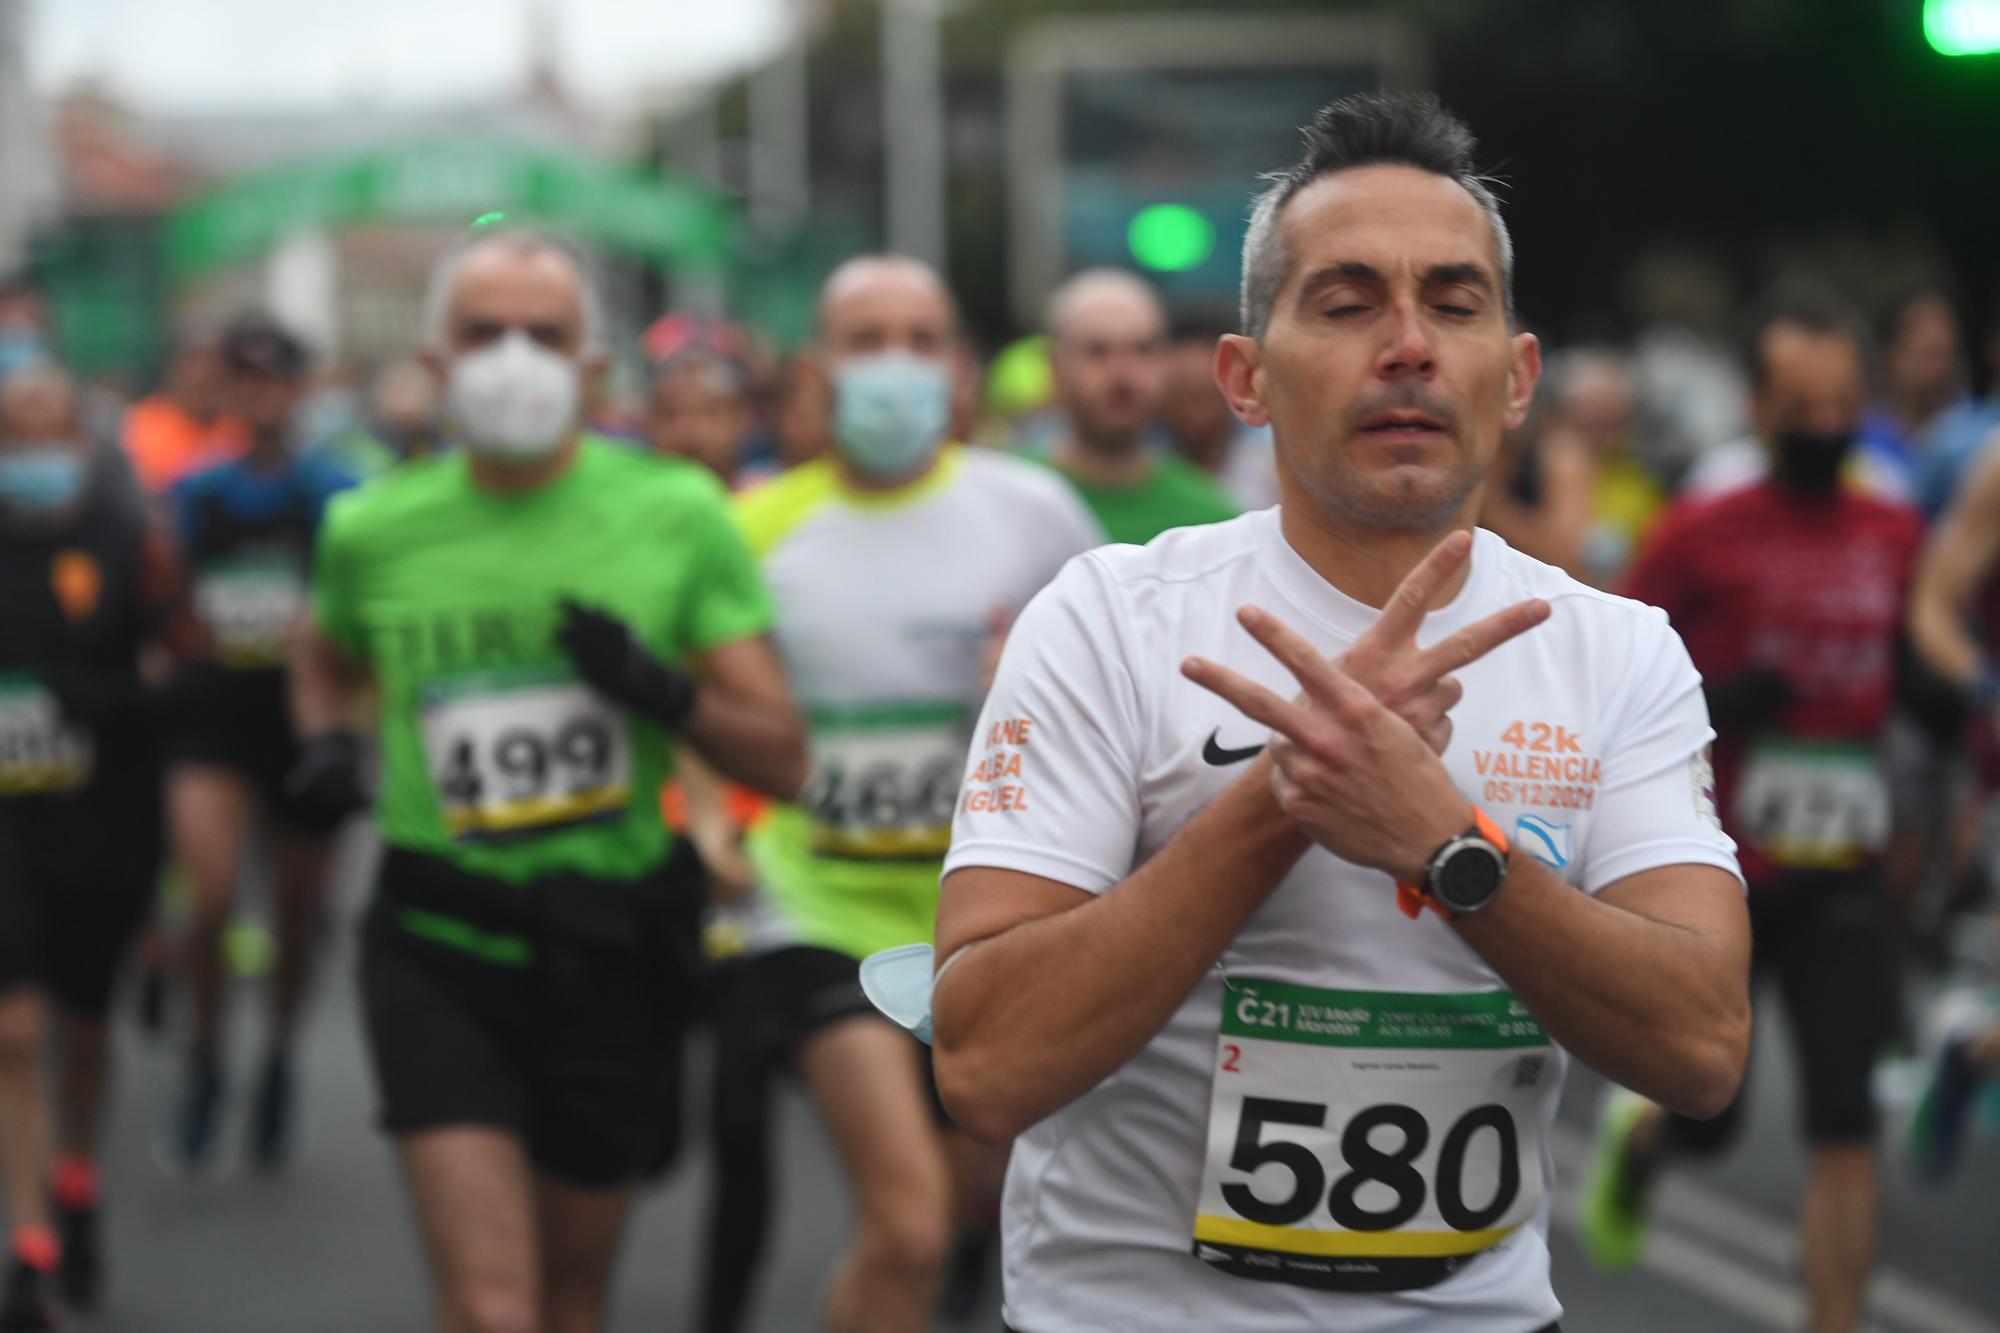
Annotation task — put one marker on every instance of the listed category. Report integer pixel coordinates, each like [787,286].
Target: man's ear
[1523,375]
[1239,373]
[591,368]
[438,365]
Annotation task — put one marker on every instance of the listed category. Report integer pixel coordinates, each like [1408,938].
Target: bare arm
[1960,558]
[1107,972]
[709,827]
[743,723]
[1647,983]
[327,684]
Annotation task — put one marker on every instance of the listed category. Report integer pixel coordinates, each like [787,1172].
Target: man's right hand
[324,786]
[1416,683]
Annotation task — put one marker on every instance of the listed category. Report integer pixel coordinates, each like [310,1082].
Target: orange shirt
[165,443]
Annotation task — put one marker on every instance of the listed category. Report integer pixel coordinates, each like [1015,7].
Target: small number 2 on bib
[1369,1140]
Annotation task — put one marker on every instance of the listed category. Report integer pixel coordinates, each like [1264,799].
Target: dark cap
[259,346]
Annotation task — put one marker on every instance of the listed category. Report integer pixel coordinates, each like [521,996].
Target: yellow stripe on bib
[1359,1244]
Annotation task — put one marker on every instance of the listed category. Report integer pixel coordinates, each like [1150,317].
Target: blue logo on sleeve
[1546,842]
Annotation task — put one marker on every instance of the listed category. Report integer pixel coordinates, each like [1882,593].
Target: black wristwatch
[1462,876]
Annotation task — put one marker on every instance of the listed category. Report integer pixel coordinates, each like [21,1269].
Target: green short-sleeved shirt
[1174,494]
[495,756]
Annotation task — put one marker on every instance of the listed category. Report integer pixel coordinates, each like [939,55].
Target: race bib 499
[523,751]
[1369,1140]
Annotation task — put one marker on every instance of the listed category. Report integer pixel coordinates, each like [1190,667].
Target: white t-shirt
[1585,739]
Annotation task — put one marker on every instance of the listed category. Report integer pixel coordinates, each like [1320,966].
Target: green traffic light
[1962,27]
[1171,238]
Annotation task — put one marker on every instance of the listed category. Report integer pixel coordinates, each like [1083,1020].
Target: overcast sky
[305,54]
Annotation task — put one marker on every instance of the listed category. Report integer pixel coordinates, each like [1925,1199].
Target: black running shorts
[568,1039]
[77,878]
[239,721]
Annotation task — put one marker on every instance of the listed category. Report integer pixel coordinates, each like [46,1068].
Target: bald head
[886,302]
[1105,297]
[38,404]
[500,280]
[1108,356]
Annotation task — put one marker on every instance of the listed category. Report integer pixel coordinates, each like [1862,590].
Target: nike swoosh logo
[1213,753]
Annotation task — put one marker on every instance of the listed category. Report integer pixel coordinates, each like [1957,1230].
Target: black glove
[1749,700]
[324,786]
[1939,708]
[610,658]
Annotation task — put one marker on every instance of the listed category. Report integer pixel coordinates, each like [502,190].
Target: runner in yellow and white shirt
[1186,956]
[893,564]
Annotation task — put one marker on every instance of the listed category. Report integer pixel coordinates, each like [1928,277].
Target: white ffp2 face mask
[514,400]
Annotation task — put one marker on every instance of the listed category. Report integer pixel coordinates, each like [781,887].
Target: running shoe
[1944,1109]
[29,1304]
[271,1115]
[1613,1214]
[199,1116]
[155,983]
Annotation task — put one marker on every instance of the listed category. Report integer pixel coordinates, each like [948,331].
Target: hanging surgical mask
[890,410]
[898,982]
[41,479]
[514,400]
[1810,465]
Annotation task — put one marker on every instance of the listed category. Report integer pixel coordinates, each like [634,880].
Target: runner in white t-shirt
[1183,949]
[894,563]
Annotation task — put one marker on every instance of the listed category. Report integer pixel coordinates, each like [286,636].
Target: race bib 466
[1369,1140]
[885,780]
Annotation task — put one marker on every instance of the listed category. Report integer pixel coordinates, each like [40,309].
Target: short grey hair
[522,240]
[1368,129]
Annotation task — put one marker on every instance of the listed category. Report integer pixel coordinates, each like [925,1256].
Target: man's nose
[1407,350]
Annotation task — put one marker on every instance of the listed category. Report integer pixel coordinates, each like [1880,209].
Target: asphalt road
[328,1248]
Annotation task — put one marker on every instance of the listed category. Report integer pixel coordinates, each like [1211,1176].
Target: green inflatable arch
[672,223]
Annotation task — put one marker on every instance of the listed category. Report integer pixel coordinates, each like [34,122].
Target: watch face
[1469,876]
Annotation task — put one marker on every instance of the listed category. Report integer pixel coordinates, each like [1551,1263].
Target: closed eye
[1340,311]
[1455,311]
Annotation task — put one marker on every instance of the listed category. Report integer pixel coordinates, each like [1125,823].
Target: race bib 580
[1369,1140]
[523,751]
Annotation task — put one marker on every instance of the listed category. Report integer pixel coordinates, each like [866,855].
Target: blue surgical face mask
[41,479]
[890,410]
[19,349]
